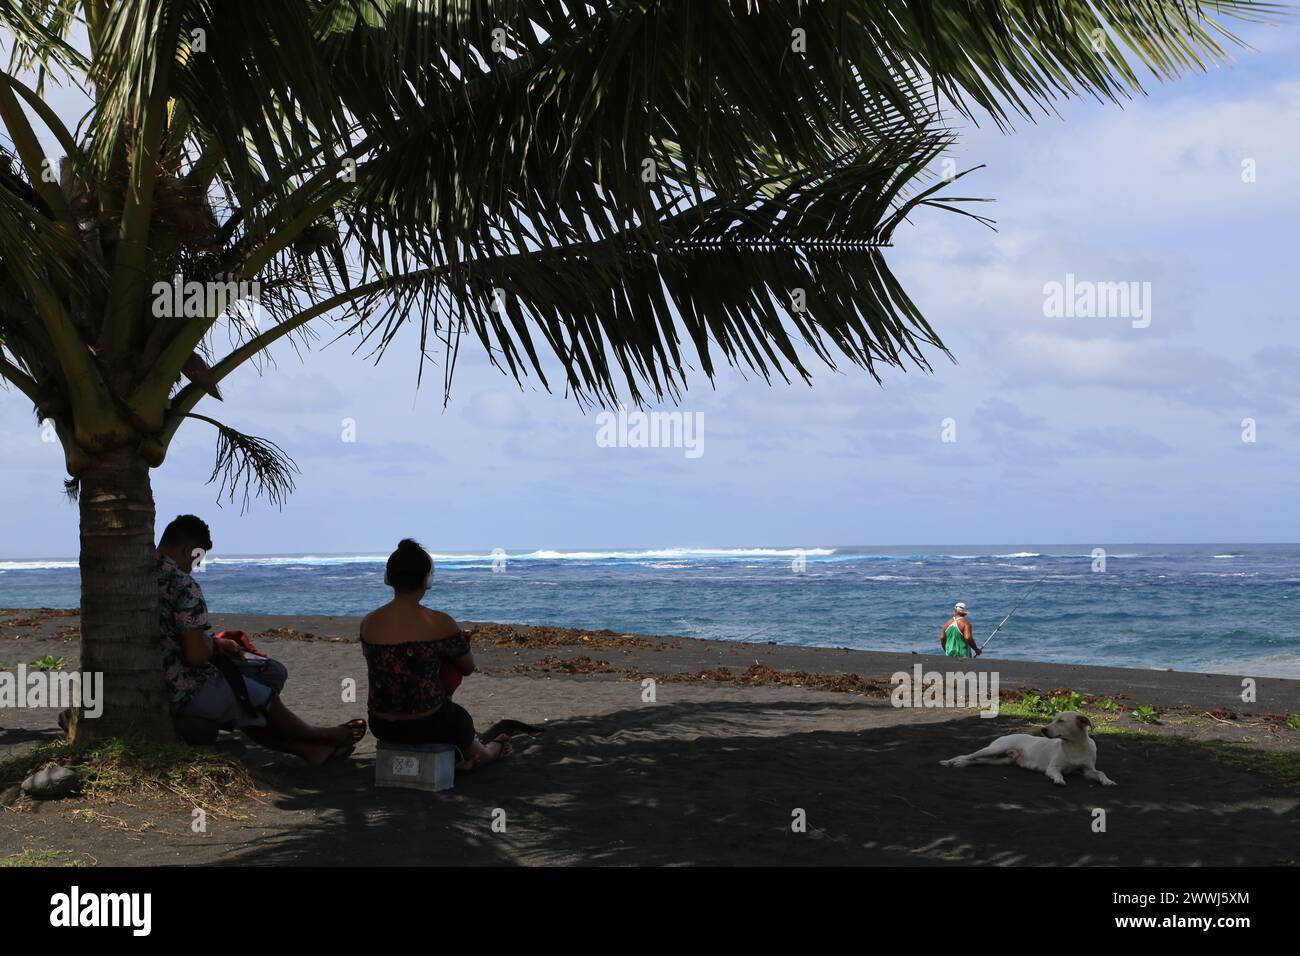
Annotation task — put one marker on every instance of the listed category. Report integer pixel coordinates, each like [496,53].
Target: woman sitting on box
[415,657]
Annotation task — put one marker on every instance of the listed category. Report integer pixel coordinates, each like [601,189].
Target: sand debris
[757,674]
[33,617]
[540,637]
[582,664]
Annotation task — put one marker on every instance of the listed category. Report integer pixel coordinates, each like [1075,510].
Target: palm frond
[39,32]
[750,277]
[628,191]
[250,467]
[31,243]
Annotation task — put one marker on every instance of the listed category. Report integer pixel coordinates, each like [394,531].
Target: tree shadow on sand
[719,783]
[15,741]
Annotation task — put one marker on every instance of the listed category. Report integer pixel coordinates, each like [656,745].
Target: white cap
[959,607]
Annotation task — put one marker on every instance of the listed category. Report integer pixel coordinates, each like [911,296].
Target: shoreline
[1217,608]
[629,651]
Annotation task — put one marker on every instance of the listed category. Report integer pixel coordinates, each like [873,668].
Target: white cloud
[497,409]
[1154,163]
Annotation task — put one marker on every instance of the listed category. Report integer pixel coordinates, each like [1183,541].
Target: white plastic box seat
[415,766]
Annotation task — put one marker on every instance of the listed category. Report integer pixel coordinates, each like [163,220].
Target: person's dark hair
[408,566]
[187,529]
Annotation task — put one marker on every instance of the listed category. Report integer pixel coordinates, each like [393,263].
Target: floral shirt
[405,678]
[181,609]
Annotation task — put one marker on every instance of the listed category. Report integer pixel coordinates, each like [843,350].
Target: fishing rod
[1012,611]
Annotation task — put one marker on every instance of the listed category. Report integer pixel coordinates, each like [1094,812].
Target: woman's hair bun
[409,566]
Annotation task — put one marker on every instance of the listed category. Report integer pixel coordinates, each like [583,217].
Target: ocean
[1218,608]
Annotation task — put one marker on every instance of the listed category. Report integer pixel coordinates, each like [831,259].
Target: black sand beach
[739,738]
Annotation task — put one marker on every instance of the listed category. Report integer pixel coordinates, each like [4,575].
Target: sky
[1047,429]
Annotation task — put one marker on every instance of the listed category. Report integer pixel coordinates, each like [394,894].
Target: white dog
[1063,747]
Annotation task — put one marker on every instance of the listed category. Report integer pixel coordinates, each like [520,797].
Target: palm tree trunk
[119,599]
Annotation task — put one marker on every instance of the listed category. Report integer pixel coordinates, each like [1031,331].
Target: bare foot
[483,754]
[503,747]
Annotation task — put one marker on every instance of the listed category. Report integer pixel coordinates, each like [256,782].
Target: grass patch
[40,858]
[1016,708]
[49,663]
[1033,707]
[1282,766]
[1053,704]
[1031,704]
[1145,714]
[117,767]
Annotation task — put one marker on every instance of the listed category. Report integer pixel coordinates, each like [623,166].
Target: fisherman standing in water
[956,638]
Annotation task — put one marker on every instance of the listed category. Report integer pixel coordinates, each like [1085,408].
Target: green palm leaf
[640,186]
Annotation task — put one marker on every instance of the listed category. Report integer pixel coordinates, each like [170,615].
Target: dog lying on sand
[1064,747]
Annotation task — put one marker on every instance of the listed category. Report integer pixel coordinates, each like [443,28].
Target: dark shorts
[450,724]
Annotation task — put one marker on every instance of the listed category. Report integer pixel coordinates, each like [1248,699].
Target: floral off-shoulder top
[404,677]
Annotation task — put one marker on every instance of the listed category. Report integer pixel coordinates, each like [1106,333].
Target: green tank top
[954,642]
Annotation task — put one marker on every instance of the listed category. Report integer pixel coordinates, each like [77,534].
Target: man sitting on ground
[210,678]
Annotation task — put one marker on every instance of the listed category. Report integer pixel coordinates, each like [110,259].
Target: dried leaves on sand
[541,637]
[33,617]
[756,675]
[551,664]
[759,674]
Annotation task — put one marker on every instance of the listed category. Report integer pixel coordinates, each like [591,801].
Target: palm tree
[582,182]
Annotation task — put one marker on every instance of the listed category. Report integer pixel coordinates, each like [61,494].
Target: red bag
[450,677]
[242,639]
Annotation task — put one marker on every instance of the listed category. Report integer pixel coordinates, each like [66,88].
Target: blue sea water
[1225,608]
